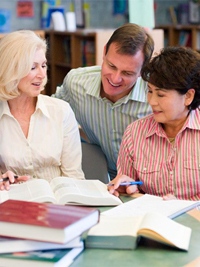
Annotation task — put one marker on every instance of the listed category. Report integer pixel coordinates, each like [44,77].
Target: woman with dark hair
[163,149]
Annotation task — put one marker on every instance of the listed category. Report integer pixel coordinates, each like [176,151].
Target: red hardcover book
[45,222]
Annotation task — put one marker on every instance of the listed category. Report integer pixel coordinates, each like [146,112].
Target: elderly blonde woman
[39,136]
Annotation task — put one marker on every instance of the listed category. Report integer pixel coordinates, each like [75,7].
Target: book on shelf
[150,203]
[185,38]
[173,15]
[45,222]
[62,190]
[11,245]
[124,232]
[46,258]
[88,52]
[183,13]
[193,14]
[67,49]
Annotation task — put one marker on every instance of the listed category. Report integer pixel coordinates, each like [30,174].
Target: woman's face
[169,107]
[32,83]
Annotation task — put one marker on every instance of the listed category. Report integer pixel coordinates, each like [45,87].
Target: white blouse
[52,147]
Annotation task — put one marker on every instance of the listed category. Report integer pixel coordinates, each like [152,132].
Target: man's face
[119,73]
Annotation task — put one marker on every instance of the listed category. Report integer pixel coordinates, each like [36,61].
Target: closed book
[62,190]
[45,222]
[183,13]
[119,232]
[10,245]
[173,15]
[44,258]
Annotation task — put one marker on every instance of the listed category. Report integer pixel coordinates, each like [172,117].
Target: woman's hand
[115,189]
[11,180]
[169,197]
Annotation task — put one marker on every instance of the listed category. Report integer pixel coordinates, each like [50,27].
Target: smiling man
[107,99]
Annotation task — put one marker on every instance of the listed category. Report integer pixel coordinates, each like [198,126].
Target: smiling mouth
[114,85]
[36,84]
[156,112]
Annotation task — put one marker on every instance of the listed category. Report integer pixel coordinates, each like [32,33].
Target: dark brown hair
[130,38]
[175,68]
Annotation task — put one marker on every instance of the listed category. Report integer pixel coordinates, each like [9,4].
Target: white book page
[90,192]
[150,203]
[10,245]
[34,190]
[116,226]
[176,233]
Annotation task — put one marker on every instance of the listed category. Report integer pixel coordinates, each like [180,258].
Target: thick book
[44,258]
[45,222]
[119,232]
[62,190]
[11,245]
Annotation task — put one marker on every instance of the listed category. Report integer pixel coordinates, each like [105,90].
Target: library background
[77,30]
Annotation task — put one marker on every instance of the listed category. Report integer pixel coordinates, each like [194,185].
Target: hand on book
[169,197]
[8,178]
[116,188]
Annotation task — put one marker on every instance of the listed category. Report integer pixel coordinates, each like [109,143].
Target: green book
[43,258]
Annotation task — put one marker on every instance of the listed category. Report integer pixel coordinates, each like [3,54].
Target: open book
[150,203]
[119,232]
[62,190]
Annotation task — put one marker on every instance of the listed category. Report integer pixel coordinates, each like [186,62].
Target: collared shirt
[52,147]
[102,121]
[146,154]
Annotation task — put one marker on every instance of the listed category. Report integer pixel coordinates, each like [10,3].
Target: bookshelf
[69,50]
[182,35]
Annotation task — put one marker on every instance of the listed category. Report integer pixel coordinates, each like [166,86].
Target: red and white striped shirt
[146,154]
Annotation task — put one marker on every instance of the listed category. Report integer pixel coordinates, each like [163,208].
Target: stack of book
[40,234]
[37,234]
